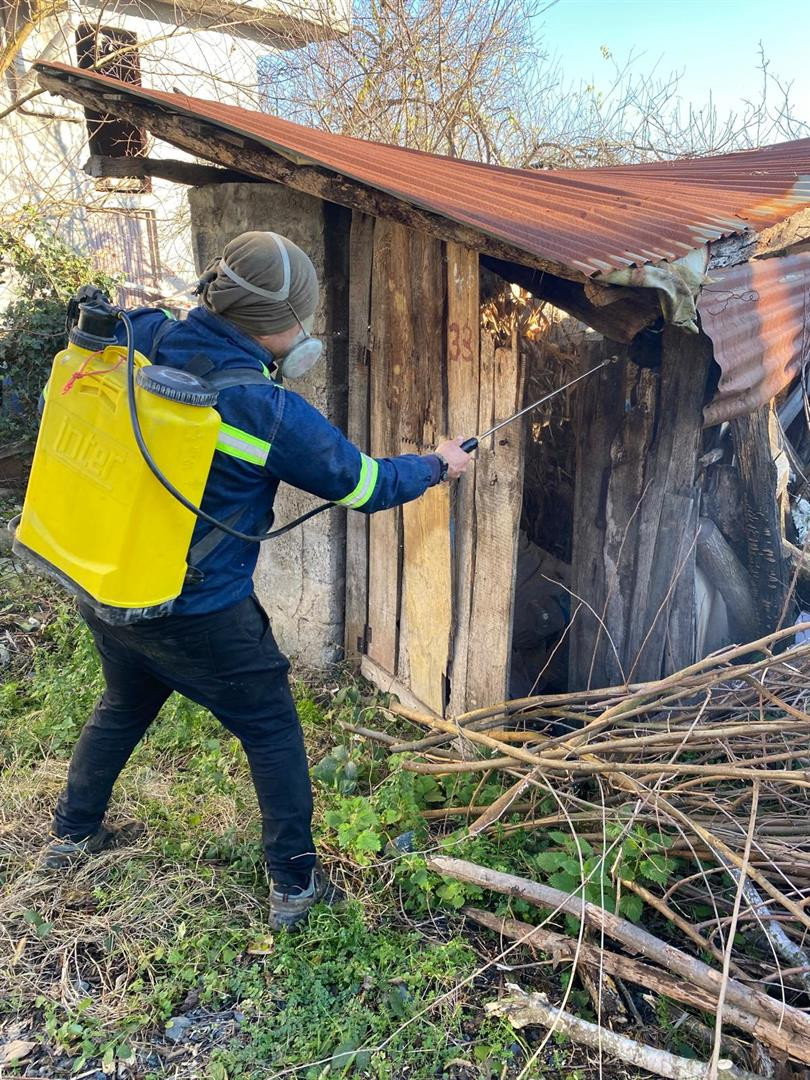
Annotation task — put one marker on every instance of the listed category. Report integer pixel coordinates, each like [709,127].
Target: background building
[135,226]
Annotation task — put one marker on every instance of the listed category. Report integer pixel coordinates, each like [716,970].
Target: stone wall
[300,577]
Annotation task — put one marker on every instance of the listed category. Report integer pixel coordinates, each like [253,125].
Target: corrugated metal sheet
[590,220]
[758,317]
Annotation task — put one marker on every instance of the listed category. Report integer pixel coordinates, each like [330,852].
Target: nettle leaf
[631,846]
[549,860]
[390,815]
[453,894]
[343,1057]
[603,897]
[421,877]
[326,769]
[565,882]
[560,837]
[631,906]
[585,847]
[662,840]
[657,869]
[367,841]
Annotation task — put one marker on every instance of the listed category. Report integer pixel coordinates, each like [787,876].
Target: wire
[150,461]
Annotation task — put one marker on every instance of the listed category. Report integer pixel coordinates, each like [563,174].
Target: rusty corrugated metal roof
[590,220]
[758,317]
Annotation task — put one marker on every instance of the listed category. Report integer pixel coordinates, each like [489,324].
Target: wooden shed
[668,492]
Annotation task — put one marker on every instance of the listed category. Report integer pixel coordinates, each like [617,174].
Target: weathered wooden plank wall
[409,602]
[434,631]
[615,411]
[636,516]
[661,631]
[427,608]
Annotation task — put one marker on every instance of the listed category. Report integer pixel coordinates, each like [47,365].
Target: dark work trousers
[226,661]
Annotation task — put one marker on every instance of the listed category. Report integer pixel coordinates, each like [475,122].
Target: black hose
[150,461]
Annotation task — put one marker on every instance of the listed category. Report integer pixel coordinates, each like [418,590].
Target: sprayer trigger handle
[469,445]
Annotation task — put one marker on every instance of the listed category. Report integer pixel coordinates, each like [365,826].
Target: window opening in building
[113,52]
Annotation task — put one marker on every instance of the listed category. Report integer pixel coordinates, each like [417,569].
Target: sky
[713,42]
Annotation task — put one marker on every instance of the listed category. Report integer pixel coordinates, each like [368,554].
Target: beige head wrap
[261,279]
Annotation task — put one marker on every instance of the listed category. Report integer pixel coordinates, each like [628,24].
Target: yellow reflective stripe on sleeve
[239,444]
[369,470]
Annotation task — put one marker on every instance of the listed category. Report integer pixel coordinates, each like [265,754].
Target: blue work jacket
[269,434]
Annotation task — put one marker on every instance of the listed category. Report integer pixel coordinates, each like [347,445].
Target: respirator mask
[305,350]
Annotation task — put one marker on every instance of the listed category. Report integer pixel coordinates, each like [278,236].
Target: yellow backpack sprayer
[93,515]
[121,462]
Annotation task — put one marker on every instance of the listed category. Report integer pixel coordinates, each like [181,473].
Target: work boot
[290,904]
[62,853]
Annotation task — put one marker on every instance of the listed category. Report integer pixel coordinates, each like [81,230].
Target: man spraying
[216,646]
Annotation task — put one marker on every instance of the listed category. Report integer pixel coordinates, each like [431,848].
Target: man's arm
[310,453]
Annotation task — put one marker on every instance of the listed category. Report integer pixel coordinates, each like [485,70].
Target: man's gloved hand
[457,461]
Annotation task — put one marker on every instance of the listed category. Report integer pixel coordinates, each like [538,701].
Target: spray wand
[472,443]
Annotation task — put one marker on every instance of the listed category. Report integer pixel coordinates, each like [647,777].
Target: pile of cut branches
[715,759]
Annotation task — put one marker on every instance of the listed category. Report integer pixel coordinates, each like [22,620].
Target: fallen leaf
[262,946]
[18,951]
[14,1051]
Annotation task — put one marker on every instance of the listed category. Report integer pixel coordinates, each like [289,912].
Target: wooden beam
[728,575]
[179,172]
[390,684]
[755,441]
[498,502]
[214,143]
[268,24]
[788,236]
[463,390]
[662,621]
[619,321]
[427,595]
[390,323]
[361,256]
[416,313]
[615,422]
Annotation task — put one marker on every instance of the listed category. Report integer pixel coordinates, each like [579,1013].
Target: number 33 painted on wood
[460,343]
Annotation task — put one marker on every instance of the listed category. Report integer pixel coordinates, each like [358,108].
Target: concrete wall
[300,577]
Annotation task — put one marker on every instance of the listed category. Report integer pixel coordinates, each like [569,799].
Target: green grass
[94,963]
